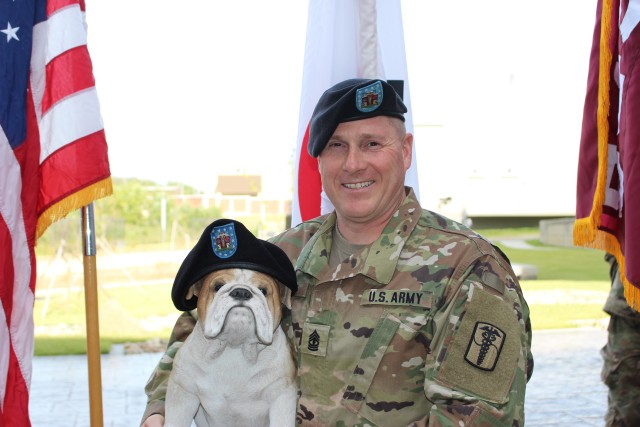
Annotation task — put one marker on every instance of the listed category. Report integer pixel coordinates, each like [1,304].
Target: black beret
[353,99]
[226,243]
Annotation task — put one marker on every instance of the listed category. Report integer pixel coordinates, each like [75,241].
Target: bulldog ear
[285,295]
[194,290]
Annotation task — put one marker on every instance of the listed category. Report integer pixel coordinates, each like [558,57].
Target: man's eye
[372,144]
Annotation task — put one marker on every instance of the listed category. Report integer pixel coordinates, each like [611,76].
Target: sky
[206,88]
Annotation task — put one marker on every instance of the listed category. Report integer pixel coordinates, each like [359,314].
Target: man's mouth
[358,185]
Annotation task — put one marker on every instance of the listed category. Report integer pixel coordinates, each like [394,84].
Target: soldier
[621,355]
[402,316]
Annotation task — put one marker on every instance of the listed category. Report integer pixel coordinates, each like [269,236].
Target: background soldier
[621,355]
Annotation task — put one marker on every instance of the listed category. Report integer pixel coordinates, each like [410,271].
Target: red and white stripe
[64,152]
[345,39]
[16,290]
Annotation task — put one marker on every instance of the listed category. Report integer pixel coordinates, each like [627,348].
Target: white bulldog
[236,368]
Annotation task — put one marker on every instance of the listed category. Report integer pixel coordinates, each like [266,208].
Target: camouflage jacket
[426,326]
[616,304]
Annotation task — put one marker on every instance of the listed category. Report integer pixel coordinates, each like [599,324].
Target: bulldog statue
[236,368]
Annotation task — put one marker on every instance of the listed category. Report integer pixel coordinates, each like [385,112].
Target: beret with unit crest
[353,99]
[227,243]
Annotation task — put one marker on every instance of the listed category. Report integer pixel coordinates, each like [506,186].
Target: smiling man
[362,170]
[402,317]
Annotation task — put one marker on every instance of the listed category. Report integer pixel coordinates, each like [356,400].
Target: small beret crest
[224,241]
[370,97]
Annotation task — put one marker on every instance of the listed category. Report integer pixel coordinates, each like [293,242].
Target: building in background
[241,197]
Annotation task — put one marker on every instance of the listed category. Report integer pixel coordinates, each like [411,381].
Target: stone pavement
[565,388]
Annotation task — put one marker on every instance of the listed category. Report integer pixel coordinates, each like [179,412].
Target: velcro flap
[483,356]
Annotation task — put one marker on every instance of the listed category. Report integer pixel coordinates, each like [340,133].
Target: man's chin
[356,213]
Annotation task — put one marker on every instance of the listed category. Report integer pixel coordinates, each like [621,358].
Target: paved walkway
[565,388]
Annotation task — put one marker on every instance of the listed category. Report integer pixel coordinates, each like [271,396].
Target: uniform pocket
[358,385]
[386,387]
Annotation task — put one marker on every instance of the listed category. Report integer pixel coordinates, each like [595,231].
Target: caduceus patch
[485,346]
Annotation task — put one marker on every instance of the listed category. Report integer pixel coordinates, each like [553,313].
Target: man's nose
[354,160]
[241,294]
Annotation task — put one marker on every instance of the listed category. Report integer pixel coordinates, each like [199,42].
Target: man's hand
[155,420]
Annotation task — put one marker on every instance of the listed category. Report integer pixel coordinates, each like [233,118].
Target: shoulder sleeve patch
[483,355]
[485,346]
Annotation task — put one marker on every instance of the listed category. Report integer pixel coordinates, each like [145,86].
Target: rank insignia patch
[369,97]
[485,346]
[224,241]
[314,341]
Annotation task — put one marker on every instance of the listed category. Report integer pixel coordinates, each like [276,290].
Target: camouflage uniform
[426,326]
[621,354]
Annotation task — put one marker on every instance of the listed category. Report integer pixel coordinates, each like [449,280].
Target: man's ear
[407,150]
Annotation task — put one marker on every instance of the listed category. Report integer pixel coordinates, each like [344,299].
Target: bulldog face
[238,304]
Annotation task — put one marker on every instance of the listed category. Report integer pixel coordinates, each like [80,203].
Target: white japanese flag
[346,39]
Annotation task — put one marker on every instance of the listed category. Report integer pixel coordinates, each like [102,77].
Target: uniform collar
[377,261]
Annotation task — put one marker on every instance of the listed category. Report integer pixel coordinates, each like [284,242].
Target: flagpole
[91,314]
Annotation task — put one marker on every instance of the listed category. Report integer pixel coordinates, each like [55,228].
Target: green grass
[560,316]
[126,314]
[497,233]
[556,304]
[63,345]
[557,263]
[570,291]
[572,283]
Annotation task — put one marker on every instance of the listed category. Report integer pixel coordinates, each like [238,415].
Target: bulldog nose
[242,294]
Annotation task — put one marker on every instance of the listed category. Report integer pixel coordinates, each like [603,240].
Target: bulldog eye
[264,291]
[218,286]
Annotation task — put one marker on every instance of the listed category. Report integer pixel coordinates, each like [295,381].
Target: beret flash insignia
[369,97]
[224,241]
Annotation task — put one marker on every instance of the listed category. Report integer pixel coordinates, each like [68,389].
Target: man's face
[363,166]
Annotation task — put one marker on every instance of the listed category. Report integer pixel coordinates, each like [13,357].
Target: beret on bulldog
[226,243]
[353,99]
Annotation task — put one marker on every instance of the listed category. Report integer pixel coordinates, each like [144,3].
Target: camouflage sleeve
[621,357]
[481,359]
[616,304]
[156,387]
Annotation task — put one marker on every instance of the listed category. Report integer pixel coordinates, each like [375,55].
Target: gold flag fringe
[606,242]
[73,202]
[585,230]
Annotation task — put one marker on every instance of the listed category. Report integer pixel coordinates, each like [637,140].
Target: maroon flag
[608,193]
[53,159]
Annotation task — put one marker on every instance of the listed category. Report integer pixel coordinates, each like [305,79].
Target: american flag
[346,39]
[53,160]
